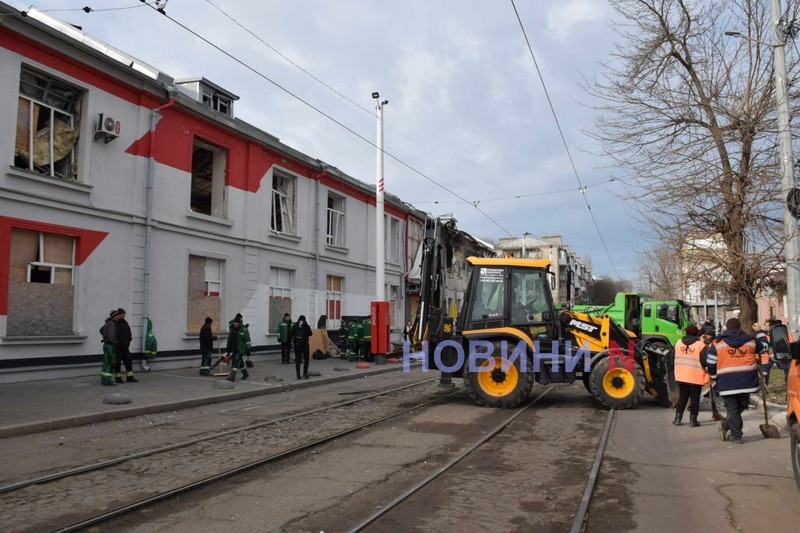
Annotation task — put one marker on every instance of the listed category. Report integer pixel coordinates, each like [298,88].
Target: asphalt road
[662,478]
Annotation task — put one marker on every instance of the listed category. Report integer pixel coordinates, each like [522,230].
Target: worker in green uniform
[352,340]
[366,336]
[359,339]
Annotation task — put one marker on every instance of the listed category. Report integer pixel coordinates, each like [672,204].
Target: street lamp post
[787,171]
[380,313]
[787,166]
[380,276]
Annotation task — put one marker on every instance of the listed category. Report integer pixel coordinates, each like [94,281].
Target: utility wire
[563,139]
[518,196]
[326,115]
[88,9]
[262,41]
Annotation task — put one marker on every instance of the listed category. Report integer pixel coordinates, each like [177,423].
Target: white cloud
[563,17]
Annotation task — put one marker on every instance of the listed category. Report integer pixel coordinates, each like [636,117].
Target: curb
[777,412]
[130,412]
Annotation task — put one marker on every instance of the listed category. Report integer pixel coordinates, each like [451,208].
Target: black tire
[795,451]
[623,389]
[513,395]
[664,399]
[586,383]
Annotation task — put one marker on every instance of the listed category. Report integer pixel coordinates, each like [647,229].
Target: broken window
[48,122]
[41,279]
[335,236]
[208,179]
[282,204]
[393,239]
[216,101]
[395,318]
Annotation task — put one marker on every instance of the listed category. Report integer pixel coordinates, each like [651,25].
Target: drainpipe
[323,172]
[317,214]
[148,225]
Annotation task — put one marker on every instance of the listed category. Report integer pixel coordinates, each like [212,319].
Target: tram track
[447,466]
[428,502]
[464,469]
[26,503]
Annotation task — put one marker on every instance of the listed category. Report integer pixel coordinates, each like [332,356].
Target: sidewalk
[36,406]
[687,479]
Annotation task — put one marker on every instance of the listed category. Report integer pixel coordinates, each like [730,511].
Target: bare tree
[603,290]
[658,273]
[689,114]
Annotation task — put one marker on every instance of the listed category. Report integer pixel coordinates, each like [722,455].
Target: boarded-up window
[333,300]
[204,292]
[280,295]
[41,292]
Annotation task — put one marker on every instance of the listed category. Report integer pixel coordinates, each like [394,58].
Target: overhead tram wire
[89,9]
[326,115]
[563,139]
[519,196]
[262,41]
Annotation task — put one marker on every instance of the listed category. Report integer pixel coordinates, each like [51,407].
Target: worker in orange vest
[689,374]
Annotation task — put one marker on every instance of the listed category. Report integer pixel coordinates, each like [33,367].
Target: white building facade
[124,188]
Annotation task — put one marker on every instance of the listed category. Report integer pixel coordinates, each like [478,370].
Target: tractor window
[489,294]
[648,311]
[529,298]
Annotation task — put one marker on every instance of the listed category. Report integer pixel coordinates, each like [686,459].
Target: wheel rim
[496,381]
[618,383]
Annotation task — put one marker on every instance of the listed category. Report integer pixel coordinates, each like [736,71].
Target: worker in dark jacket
[207,339]
[108,332]
[733,360]
[301,333]
[124,338]
[352,340]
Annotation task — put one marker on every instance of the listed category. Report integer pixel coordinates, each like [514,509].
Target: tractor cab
[509,293]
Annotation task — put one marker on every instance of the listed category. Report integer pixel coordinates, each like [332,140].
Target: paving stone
[223,384]
[341,369]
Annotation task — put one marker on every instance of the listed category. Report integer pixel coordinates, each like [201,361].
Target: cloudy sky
[466,106]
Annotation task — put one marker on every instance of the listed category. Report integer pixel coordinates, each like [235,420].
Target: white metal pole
[787,172]
[380,289]
[716,310]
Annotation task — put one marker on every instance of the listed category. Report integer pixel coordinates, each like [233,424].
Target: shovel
[769,432]
[715,414]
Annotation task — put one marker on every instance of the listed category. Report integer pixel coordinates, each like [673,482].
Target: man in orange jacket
[689,374]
